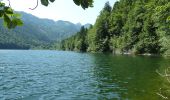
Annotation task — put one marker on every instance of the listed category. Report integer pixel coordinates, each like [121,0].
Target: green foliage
[84,3]
[11,19]
[102,25]
[91,36]
[132,26]
[45,2]
[77,42]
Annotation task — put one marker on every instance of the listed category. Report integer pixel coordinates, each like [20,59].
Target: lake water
[59,75]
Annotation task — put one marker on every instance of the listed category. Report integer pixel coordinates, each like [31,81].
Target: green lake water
[62,75]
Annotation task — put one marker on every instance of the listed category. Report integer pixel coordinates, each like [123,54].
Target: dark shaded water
[58,75]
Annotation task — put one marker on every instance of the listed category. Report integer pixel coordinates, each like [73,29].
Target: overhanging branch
[35,6]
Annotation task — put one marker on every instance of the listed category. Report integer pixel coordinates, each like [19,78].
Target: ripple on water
[57,75]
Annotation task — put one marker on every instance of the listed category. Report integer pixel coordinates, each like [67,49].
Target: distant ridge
[36,31]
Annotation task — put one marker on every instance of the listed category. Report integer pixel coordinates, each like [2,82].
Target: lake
[63,75]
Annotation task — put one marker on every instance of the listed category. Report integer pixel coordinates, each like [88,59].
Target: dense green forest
[36,33]
[130,26]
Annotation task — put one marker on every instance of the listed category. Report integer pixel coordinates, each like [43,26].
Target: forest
[130,26]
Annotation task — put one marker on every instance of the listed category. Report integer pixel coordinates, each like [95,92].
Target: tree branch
[35,6]
[162,96]
[167,77]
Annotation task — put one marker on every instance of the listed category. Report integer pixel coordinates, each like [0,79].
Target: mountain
[78,25]
[87,25]
[52,30]
[35,32]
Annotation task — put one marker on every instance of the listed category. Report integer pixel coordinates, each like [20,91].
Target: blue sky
[62,10]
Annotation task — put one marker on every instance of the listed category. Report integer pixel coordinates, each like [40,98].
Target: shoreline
[114,53]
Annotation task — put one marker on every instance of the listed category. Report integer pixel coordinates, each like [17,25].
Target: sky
[62,10]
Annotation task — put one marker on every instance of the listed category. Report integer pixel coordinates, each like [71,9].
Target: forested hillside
[130,26]
[35,32]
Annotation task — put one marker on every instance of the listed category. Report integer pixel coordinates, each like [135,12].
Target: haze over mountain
[36,31]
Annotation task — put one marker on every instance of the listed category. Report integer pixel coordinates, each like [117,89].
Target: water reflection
[127,77]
